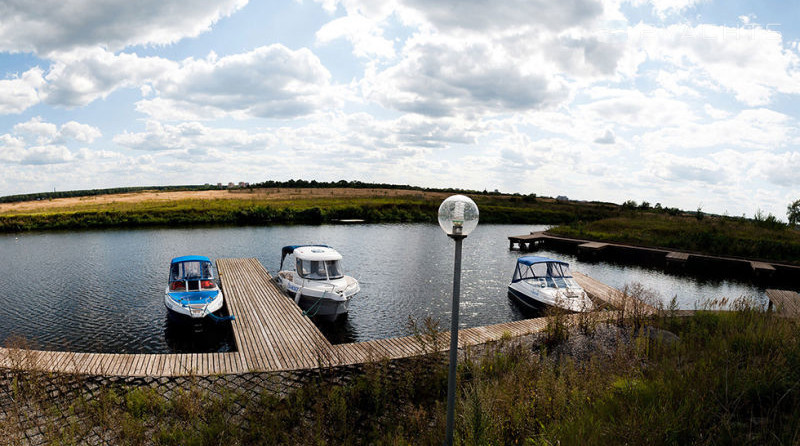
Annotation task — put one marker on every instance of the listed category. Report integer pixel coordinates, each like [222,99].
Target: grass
[714,235]
[727,378]
[306,206]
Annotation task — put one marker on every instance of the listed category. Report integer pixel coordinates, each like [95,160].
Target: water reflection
[198,336]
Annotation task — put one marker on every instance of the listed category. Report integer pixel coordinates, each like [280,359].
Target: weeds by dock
[715,377]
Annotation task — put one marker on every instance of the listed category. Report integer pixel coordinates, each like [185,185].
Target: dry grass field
[267,195]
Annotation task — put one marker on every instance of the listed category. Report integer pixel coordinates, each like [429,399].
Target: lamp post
[458,216]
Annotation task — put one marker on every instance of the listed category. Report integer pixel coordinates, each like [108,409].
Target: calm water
[102,291]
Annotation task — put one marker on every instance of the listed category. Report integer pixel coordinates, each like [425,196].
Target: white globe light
[458,215]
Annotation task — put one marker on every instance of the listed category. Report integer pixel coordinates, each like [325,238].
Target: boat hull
[317,299]
[527,302]
[532,298]
[322,307]
[191,308]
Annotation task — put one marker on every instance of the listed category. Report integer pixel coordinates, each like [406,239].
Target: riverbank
[669,228]
[707,379]
[277,206]
[710,235]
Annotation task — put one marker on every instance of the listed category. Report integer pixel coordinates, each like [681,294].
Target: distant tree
[644,206]
[793,212]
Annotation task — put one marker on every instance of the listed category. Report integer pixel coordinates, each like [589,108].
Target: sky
[688,103]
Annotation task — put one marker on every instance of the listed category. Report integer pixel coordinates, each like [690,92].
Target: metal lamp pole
[451,377]
[458,216]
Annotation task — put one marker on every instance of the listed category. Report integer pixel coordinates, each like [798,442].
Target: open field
[306,205]
[280,195]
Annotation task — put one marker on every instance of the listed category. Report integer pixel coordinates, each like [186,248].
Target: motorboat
[541,282]
[192,291]
[317,283]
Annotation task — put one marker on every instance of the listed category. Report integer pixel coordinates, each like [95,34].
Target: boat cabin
[191,273]
[315,262]
[548,273]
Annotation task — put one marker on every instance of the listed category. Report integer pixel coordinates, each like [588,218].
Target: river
[103,290]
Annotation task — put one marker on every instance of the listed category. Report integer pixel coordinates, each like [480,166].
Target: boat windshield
[191,271]
[548,274]
[319,269]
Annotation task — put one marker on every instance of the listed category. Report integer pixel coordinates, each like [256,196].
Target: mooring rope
[216,318]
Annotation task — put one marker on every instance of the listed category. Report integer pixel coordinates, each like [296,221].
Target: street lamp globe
[458,216]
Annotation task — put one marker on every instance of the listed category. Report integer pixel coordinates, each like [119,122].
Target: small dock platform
[679,258]
[784,303]
[272,335]
[600,293]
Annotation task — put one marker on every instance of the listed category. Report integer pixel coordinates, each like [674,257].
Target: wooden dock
[272,334]
[611,297]
[784,303]
[270,330]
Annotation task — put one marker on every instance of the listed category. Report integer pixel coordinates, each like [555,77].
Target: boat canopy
[191,268]
[286,250]
[530,260]
[191,259]
[534,267]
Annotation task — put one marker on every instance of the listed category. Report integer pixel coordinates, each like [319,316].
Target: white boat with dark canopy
[317,283]
[541,282]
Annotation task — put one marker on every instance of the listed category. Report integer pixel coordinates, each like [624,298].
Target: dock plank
[784,302]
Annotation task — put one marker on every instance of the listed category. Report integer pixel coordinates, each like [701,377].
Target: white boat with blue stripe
[193,291]
[541,282]
[317,283]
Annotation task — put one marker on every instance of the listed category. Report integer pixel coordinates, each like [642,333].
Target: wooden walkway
[611,297]
[272,334]
[270,330]
[784,303]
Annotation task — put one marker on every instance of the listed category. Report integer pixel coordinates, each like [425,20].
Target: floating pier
[272,334]
[594,250]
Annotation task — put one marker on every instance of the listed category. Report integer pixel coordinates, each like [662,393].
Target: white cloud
[268,82]
[12,149]
[193,136]
[49,154]
[37,130]
[632,108]
[716,113]
[44,26]
[447,77]
[19,93]
[687,169]
[486,15]
[779,168]
[79,77]
[751,62]
[607,138]
[38,142]
[750,129]
[79,132]
[365,35]
[664,8]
